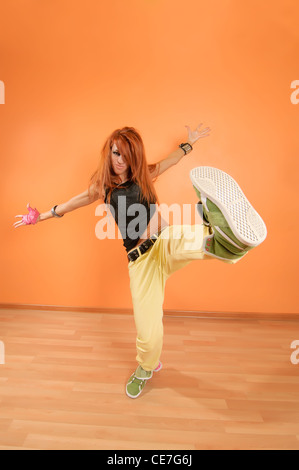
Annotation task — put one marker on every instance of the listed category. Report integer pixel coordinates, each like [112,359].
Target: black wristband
[186,147]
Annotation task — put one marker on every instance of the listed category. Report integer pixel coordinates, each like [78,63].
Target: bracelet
[186,147]
[54,212]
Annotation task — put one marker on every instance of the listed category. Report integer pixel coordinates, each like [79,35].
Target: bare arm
[81,200]
[74,203]
[175,156]
[172,159]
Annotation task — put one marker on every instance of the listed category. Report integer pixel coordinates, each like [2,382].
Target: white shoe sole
[220,188]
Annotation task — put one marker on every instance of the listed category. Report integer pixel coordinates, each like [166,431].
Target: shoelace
[139,382]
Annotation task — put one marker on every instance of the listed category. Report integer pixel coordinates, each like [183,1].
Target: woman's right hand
[29,219]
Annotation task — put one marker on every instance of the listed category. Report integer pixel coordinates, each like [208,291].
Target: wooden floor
[225,384]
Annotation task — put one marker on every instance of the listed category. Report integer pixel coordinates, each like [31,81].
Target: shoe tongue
[141,373]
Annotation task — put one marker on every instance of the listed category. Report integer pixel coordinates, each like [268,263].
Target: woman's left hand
[194,136]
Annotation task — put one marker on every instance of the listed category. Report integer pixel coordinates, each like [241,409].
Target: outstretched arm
[74,203]
[175,156]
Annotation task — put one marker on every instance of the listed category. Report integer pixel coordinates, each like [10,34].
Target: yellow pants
[176,247]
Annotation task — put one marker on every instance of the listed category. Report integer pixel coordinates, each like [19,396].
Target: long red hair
[131,147]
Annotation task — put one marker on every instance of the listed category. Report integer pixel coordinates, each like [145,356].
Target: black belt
[143,248]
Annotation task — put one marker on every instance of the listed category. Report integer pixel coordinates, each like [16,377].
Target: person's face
[119,164]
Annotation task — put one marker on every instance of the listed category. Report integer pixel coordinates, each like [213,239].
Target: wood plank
[276,316]
[225,384]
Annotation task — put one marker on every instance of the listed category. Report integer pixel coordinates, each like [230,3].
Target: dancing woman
[155,250]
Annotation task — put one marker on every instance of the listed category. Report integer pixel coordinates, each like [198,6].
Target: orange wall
[74,71]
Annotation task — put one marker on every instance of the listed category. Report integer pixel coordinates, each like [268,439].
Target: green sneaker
[137,381]
[201,212]
[235,225]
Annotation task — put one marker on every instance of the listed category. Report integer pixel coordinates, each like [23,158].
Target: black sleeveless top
[131,212]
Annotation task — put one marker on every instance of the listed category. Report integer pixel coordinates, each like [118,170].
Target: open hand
[31,218]
[197,134]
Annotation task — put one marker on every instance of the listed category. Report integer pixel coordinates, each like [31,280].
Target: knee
[148,341]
